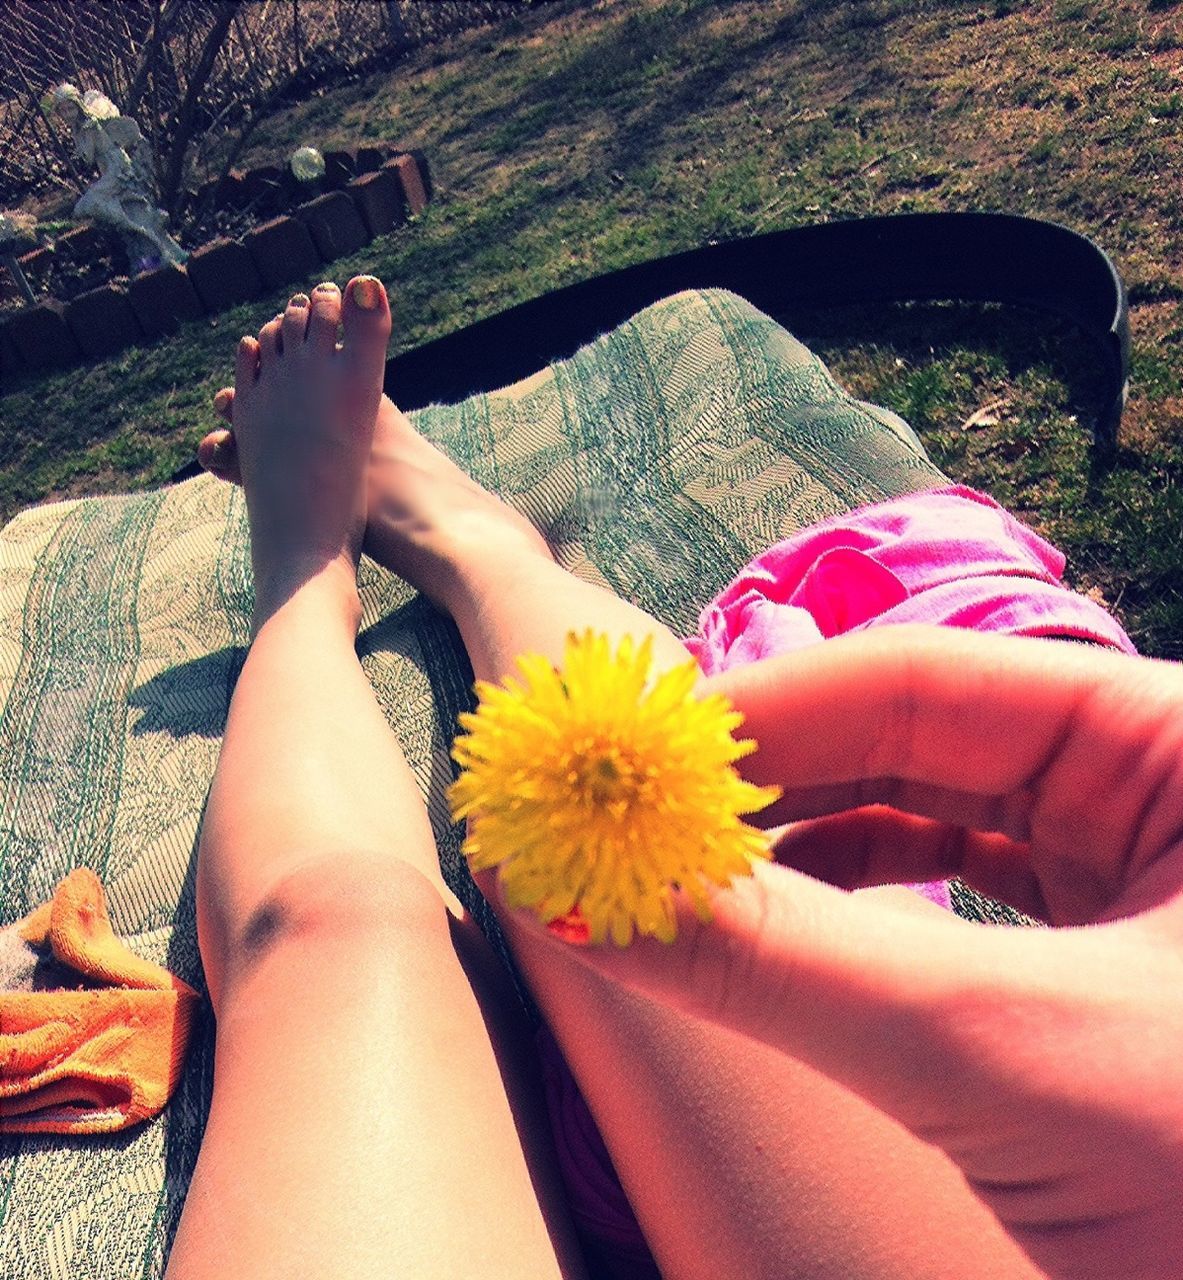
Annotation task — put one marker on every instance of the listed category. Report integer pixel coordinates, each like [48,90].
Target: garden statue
[121,196]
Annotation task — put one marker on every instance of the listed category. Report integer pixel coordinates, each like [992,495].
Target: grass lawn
[582,137]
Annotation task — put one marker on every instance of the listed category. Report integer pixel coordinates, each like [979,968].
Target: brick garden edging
[374,196]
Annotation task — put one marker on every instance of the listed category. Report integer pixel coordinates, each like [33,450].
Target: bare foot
[426,519]
[304,412]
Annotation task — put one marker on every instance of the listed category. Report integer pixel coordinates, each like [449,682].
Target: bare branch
[162,23]
[201,73]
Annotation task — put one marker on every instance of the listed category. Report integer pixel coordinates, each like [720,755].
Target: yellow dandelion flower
[598,792]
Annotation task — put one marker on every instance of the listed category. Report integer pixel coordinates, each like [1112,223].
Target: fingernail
[571,928]
[367,293]
[326,286]
[298,300]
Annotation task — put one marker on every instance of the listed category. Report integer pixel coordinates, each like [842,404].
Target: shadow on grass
[655,69]
[1007,341]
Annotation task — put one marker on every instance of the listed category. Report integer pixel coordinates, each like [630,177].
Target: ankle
[456,557]
[325,594]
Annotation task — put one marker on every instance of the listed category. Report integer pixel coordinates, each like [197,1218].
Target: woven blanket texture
[657,461]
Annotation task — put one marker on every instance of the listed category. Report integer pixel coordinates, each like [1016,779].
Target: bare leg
[360,1124]
[737,1161]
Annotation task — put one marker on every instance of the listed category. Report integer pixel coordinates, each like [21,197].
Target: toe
[324,317]
[270,343]
[224,403]
[246,365]
[218,454]
[365,319]
[295,322]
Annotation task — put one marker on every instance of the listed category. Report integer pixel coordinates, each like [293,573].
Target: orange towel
[92,1038]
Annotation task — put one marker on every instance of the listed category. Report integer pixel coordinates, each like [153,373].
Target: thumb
[850,983]
[959,1031]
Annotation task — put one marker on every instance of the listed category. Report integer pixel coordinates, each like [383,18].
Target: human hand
[1047,1063]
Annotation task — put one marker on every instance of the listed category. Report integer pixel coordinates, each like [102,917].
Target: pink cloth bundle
[949,557]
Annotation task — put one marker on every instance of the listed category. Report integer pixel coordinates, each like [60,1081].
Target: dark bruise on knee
[263,928]
[340,900]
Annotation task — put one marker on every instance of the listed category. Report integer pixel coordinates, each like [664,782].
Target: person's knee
[341,900]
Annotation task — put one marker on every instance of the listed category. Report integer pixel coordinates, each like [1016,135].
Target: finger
[1006,814]
[880,846]
[218,454]
[904,899]
[992,733]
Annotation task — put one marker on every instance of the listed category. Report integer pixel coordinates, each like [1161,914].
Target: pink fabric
[951,557]
[599,1207]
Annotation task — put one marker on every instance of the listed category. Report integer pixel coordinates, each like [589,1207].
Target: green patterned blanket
[657,461]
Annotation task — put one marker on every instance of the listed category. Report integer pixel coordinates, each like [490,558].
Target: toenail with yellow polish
[326,286]
[298,300]
[222,399]
[367,293]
